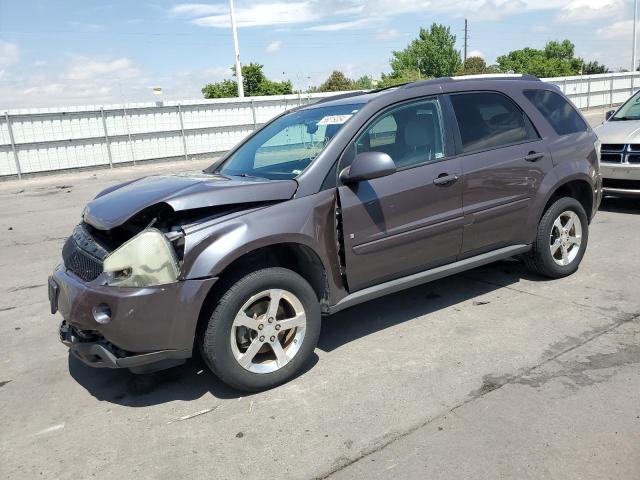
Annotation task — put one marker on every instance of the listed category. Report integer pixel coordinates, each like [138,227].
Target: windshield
[286,146]
[630,110]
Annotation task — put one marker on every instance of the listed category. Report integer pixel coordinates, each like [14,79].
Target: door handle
[444,179]
[533,156]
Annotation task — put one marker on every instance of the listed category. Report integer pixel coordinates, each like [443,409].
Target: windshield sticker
[335,119]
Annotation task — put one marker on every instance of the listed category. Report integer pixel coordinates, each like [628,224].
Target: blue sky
[55,53]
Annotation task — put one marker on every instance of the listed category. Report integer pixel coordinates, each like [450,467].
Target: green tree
[433,54]
[363,83]
[555,60]
[336,82]
[254,81]
[477,66]
[224,89]
[594,67]
[398,78]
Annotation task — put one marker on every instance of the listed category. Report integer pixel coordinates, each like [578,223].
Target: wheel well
[578,189]
[294,256]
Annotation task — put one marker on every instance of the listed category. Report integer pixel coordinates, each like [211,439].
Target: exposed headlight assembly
[147,259]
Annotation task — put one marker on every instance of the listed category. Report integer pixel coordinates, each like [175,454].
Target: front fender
[308,221]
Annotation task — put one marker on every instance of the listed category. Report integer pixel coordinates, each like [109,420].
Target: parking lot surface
[493,373]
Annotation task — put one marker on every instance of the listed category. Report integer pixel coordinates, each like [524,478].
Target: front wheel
[263,330]
[561,239]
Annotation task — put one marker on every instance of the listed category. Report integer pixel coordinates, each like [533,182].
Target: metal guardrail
[40,140]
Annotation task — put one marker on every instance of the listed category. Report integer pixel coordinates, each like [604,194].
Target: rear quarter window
[489,120]
[560,114]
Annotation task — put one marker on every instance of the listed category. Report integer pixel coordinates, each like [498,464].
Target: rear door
[411,220]
[503,161]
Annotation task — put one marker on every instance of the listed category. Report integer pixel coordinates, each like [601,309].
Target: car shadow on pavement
[194,380]
[376,315]
[189,381]
[620,205]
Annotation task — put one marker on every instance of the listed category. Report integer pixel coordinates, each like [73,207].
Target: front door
[503,163]
[411,220]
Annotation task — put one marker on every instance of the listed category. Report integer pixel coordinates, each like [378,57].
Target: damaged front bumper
[132,327]
[97,352]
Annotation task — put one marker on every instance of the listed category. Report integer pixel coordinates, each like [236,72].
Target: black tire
[539,259]
[215,338]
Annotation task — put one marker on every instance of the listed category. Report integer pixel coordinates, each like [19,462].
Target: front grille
[623,184]
[78,259]
[620,153]
[612,147]
[610,157]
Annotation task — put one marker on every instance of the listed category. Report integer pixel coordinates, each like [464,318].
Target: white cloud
[619,29]
[334,27]
[388,34]
[587,10]
[83,69]
[475,53]
[282,12]
[274,46]
[216,73]
[9,53]
[199,9]
[260,14]
[345,13]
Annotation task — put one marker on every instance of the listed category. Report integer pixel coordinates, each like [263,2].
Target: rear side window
[490,120]
[557,110]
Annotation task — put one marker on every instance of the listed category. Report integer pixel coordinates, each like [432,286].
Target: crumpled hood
[115,205]
[619,131]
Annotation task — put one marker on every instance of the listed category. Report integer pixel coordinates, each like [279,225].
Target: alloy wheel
[565,238]
[268,331]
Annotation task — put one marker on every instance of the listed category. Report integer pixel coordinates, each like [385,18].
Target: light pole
[237,50]
[634,66]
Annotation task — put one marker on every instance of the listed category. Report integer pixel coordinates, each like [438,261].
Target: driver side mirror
[367,166]
[609,114]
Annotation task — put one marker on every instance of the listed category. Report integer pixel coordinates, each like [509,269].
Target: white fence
[39,140]
[602,90]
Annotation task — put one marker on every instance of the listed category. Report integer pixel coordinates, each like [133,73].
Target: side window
[557,110]
[411,134]
[490,120]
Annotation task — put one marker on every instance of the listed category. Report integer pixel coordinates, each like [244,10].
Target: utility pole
[237,50]
[466,37]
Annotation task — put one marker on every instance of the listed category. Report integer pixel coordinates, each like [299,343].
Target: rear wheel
[561,239]
[263,330]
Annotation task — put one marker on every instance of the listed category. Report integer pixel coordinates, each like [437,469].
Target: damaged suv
[326,206]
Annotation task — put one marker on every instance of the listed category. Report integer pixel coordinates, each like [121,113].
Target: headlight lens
[147,259]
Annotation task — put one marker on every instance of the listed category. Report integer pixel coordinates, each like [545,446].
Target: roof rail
[488,76]
[498,76]
[382,89]
[342,95]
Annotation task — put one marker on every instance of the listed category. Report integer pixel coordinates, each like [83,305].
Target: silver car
[620,153]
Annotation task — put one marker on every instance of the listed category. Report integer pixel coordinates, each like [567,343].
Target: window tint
[559,112]
[410,134]
[490,120]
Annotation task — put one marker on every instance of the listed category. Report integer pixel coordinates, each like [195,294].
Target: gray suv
[326,206]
